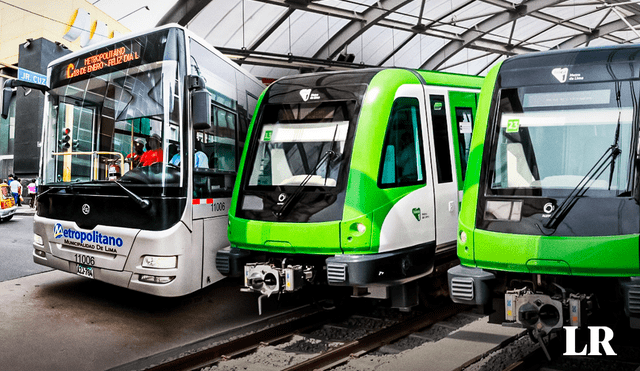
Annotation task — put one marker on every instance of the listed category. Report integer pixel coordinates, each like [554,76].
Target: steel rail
[375,340]
[246,343]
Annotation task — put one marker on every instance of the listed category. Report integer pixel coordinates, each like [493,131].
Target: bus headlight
[156,279]
[159,262]
[37,239]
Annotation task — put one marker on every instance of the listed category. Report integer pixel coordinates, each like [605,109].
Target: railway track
[531,357]
[305,334]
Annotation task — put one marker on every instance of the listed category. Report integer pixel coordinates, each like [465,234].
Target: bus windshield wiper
[327,156]
[51,189]
[144,204]
[594,173]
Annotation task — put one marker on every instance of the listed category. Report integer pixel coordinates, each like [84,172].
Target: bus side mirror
[7,95]
[200,104]
[8,92]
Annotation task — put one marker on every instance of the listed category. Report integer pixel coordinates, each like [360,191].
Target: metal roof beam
[353,29]
[553,19]
[183,12]
[253,57]
[274,26]
[482,28]
[317,8]
[614,26]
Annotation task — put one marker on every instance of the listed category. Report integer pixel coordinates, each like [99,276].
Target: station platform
[57,321]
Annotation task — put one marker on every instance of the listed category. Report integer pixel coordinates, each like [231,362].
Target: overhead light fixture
[28,43]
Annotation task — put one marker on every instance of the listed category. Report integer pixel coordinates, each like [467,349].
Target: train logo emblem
[57,230]
[416,213]
[548,208]
[282,197]
[305,94]
[560,73]
[86,209]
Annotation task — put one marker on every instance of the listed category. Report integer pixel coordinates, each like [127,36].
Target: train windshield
[552,138]
[301,144]
[114,114]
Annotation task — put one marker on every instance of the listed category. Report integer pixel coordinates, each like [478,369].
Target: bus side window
[215,157]
[402,153]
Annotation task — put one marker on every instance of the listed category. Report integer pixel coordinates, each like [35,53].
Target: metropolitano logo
[594,342]
[57,230]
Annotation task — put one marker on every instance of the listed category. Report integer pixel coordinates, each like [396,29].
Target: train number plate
[85,271]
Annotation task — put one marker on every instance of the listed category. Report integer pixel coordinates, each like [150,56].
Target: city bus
[140,146]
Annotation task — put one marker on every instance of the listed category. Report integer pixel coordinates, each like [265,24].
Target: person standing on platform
[32,190]
[15,188]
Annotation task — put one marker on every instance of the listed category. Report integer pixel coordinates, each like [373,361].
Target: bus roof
[189,33]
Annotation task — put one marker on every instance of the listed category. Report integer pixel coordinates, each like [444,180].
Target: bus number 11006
[85,259]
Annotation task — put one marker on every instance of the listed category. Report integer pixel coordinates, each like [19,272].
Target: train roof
[365,75]
[606,63]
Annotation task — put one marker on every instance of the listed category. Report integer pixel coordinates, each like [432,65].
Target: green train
[549,225]
[351,179]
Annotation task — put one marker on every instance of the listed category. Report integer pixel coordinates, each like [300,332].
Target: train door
[463,111]
[445,184]
[404,173]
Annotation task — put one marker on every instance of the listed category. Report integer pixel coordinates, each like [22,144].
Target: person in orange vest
[154,151]
[138,151]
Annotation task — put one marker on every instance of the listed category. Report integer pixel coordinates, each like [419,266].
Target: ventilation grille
[336,272]
[222,263]
[462,288]
[634,300]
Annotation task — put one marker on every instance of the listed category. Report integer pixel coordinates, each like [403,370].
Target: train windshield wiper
[594,173]
[616,136]
[608,159]
[327,156]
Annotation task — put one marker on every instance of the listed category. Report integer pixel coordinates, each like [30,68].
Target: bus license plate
[85,271]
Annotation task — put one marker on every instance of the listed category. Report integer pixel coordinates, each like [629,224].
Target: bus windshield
[114,114]
[301,145]
[550,139]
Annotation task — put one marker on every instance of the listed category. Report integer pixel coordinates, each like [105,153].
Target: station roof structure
[274,38]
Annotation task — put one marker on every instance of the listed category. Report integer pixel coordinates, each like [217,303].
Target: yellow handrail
[95,153]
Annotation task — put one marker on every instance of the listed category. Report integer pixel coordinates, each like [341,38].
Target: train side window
[402,153]
[464,118]
[441,138]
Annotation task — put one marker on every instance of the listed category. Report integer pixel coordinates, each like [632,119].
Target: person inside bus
[138,151]
[154,151]
[200,159]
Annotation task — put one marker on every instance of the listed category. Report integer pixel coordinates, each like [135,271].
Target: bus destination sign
[94,63]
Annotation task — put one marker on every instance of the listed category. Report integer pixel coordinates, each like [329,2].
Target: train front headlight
[463,237]
[159,262]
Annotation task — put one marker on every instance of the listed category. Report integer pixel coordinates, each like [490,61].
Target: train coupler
[544,313]
[268,279]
